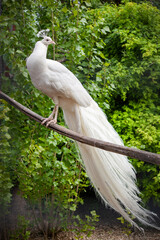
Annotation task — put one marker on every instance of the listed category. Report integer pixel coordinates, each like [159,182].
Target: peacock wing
[66,83]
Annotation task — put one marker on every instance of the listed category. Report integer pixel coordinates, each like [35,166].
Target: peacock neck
[36,63]
[40,49]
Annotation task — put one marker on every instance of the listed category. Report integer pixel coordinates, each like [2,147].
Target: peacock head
[47,41]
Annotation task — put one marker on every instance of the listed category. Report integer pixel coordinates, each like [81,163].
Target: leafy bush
[5,178]
[85,226]
[114,51]
[123,43]
[45,165]
[138,125]
[51,177]
[21,232]
[121,56]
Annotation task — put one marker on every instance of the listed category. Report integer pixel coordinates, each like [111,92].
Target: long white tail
[111,174]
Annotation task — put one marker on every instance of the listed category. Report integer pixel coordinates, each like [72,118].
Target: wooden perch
[130,152]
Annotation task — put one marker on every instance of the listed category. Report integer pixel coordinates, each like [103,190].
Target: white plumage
[111,174]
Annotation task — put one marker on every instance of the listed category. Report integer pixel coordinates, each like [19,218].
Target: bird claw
[51,121]
[48,121]
[45,120]
[52,118]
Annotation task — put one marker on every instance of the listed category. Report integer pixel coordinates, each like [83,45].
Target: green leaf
[105,29]
[64,9]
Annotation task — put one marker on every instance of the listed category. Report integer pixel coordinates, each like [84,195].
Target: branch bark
[127,151]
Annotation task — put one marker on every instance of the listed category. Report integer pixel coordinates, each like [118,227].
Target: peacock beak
[52,42]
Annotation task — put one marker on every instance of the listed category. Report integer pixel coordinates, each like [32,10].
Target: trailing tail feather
[112,174]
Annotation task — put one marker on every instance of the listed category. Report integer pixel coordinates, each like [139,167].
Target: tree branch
[130,152]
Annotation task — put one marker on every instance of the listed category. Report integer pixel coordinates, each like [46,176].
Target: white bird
[112,174]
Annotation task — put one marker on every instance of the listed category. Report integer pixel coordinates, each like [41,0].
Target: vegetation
[114,50]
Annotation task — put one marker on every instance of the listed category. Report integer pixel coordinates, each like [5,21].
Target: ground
[108,227]
[110,233]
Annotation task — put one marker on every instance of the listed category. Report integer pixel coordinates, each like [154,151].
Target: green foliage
[86,226]
[51,176]
[127,72]
[5,180]
[45,165]
[124,43]
[127,226]
[138,125]
[5,186]
[115,53]
[21,233]
[4,144]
